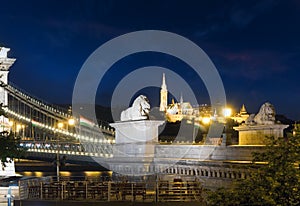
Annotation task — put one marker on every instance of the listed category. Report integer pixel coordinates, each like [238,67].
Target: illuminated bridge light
[49,147]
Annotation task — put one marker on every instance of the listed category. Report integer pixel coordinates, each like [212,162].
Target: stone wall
[256,134]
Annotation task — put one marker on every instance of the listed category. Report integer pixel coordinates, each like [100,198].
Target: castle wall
[214,166]
[257,134]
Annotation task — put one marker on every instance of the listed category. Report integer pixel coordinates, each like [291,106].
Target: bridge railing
[56,130]
[159,191]
[52,145]
[67,148]
[25,184]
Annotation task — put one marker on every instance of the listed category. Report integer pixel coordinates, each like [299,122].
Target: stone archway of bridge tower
[5,64]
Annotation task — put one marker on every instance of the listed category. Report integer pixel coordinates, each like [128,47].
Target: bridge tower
[163,95]
[5,64]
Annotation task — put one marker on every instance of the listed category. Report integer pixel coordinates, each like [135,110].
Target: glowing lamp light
[227,112]
[71,122]
[18,127]
[60,125]
[205,120]
[11,123]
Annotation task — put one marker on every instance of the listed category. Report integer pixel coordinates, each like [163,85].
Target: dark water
[88,174]
[44,169]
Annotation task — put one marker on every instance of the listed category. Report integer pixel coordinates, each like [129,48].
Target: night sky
[254,45]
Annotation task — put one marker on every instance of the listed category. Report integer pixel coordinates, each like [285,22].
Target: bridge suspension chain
[96,141]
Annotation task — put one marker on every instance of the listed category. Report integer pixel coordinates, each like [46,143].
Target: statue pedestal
[134,148]
[136,131]
[9,170]
[258,127]
[256,134]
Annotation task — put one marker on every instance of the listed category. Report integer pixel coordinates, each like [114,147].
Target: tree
[9,148]
[9,145]
[275,181]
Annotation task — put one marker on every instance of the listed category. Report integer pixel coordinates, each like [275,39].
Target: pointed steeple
[164,85]
[163,95]
[243,110]
[181,99]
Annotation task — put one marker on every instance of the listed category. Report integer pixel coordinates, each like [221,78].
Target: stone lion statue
[266,115]
[140,110]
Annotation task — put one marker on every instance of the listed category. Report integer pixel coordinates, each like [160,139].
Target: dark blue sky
[254,45]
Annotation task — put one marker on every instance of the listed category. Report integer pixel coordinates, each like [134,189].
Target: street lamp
[23,131]
[11,124]
[18,128]
[60,125]
[227,112]
[71,122]
[206,120]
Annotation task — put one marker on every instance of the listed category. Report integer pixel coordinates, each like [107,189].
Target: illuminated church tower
[163,95]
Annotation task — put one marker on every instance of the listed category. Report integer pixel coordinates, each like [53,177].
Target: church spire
[181,99]
[163,95]
[164,85]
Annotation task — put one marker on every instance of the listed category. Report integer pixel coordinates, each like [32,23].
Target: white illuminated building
[177,111]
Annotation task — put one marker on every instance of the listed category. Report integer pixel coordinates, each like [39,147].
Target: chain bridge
[45,130]
[37,123]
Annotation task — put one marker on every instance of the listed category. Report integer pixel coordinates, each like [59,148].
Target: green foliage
[276,181]
[9,145]
[9,148]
